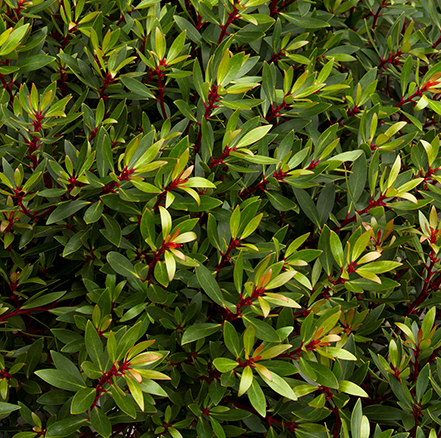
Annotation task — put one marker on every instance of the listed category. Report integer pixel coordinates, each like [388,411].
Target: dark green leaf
[199,331]
[65,209]
[100,422]
[209,284]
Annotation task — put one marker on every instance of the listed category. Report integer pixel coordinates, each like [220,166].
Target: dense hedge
[219,219]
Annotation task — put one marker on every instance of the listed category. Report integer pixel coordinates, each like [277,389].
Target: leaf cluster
[220,219]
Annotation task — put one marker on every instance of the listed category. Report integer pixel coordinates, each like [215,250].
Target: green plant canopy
[219,218]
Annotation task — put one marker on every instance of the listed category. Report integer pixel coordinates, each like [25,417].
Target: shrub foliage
[219,218]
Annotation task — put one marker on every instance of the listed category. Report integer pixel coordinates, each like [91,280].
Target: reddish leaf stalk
[250,190]
[106,377]
[161,94]
[213,98]
[393,59]
[26,311]
[411,98]
[378,203]
[226,256]
[284,5]
[156,256]
[220,160]
[377,14]
[8,88]
[275,112]
[106,82]
[428,284]
[171,187]
[231,17]
[436,42]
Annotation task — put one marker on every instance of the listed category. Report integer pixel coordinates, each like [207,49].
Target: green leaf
[238,274]
[141,90]
[337,249]
[128,340]
[225,365]
[356,419]
[151,387]
[217,429]
[160,44]
[73,245]
[198,182]
[360,245]
[35,62]
[161,274]
[123,402]
[112,231]
[176,47]
[263,330]
[100,422]
[65,209]
[147,3]
[280,202]
[6,408]
[166,222]
[82,400]
[257,398]
[357,179]
[209,284]
[136,392]
[185,109]
[307,205]
[199,331]
[428,322]
[43,300]
[422,382]
[305,22]
[94,345]
[319,373]
[192,33]
[94,213]
[280,280]
[121,265]
[235,222]
[395,170]
[280,386]
[146,187]
[65,427]
[14,40]
[61,379]
[351,388]
[253,136]
[231,339]
[62,363]
[246,380]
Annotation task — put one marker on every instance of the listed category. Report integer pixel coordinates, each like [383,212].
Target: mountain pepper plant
[219,218]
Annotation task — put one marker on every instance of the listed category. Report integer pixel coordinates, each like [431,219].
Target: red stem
[377,14]
[161,95]
[213,98]
[372,204]
[25,311]
[273,8]
[436,42]
[231,17]
[417,93]
[275,112]
[221,159]
[428,285]
[248,192]
[7,88]
[226,256]
[391,59]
